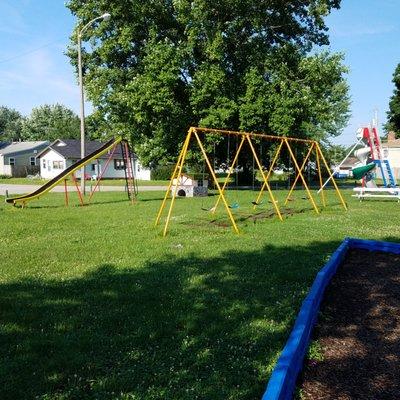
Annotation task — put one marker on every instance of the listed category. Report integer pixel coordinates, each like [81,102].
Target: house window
[119,164]
[44,163]
[33,161]
[93,167]
[58,165]
[11,161]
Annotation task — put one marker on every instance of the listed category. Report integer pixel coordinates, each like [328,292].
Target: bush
[162,172]
[246,178]
[5,176]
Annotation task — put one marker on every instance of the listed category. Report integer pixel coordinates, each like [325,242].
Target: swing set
[311,147]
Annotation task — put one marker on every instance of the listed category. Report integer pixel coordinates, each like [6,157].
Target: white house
[62,153]
[18,159]
[344,171]
[391,149]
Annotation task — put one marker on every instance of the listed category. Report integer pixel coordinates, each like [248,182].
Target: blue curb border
[283,379]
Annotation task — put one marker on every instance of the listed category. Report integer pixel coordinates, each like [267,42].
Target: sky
[34,70]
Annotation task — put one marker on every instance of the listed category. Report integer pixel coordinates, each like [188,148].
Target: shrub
[162,172]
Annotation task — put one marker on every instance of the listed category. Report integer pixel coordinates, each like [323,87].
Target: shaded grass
[95,304]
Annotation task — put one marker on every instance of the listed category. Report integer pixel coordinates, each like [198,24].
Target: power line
[28,52]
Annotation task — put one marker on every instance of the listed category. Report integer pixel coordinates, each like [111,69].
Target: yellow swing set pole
[301,176]
[320,177]
[333,179]
[297,177]
[176,186]
[268,174]
[221,194]
[264,178]
[173,176]
[231,168]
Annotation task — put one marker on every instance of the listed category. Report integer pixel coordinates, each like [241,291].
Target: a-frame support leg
[212,172]
[274,202]
[257,201]
[298,175]
[173,176]
[301,177]
[231,168]
[333,179]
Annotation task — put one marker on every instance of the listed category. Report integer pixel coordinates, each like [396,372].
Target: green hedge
[162,172]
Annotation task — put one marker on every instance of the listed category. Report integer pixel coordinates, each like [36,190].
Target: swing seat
[257,204]
[234,206]
[212,209]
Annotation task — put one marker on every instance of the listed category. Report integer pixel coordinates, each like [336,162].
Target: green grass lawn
[96,304]
[106,182]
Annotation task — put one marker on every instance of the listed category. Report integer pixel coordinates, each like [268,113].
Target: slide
[64,174]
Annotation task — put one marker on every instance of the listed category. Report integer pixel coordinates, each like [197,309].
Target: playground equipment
[371,157]
[248,138]
[110,147]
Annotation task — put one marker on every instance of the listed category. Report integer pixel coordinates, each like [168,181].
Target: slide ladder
[392,181]
[129,175]
[386,172]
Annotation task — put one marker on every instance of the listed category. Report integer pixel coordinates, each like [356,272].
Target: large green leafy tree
[10,124]
[157,67]
[393,115]
[50,122]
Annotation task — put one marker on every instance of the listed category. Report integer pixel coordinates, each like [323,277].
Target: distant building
[344,171]
[62,153]
[18,159]
[391,150]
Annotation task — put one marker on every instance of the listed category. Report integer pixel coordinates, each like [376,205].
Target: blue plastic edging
[283,378]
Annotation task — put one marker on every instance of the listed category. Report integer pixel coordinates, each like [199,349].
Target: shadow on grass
[180,328]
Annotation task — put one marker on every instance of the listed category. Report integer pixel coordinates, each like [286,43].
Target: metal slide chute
[64,174]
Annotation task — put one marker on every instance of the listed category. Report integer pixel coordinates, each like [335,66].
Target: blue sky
[368,33]
[35,71]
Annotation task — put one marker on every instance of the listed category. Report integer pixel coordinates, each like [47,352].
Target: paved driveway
[21,189]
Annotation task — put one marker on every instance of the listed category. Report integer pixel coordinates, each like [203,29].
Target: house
[391,151]
[18,159]
[345,170]
[62,153]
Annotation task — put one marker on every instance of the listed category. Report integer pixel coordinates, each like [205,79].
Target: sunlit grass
[105,182]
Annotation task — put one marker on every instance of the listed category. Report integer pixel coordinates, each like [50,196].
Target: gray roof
[23,147]
[71,148]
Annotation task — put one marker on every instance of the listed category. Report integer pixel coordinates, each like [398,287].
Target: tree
[393,115]
[10,124]
[158,67]
[335,153]
[49,122]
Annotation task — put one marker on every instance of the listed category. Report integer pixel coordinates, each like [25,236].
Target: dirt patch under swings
[359,332]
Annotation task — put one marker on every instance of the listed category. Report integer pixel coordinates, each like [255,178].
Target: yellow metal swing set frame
[246,137]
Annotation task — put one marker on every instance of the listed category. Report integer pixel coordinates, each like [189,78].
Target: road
[21,189]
